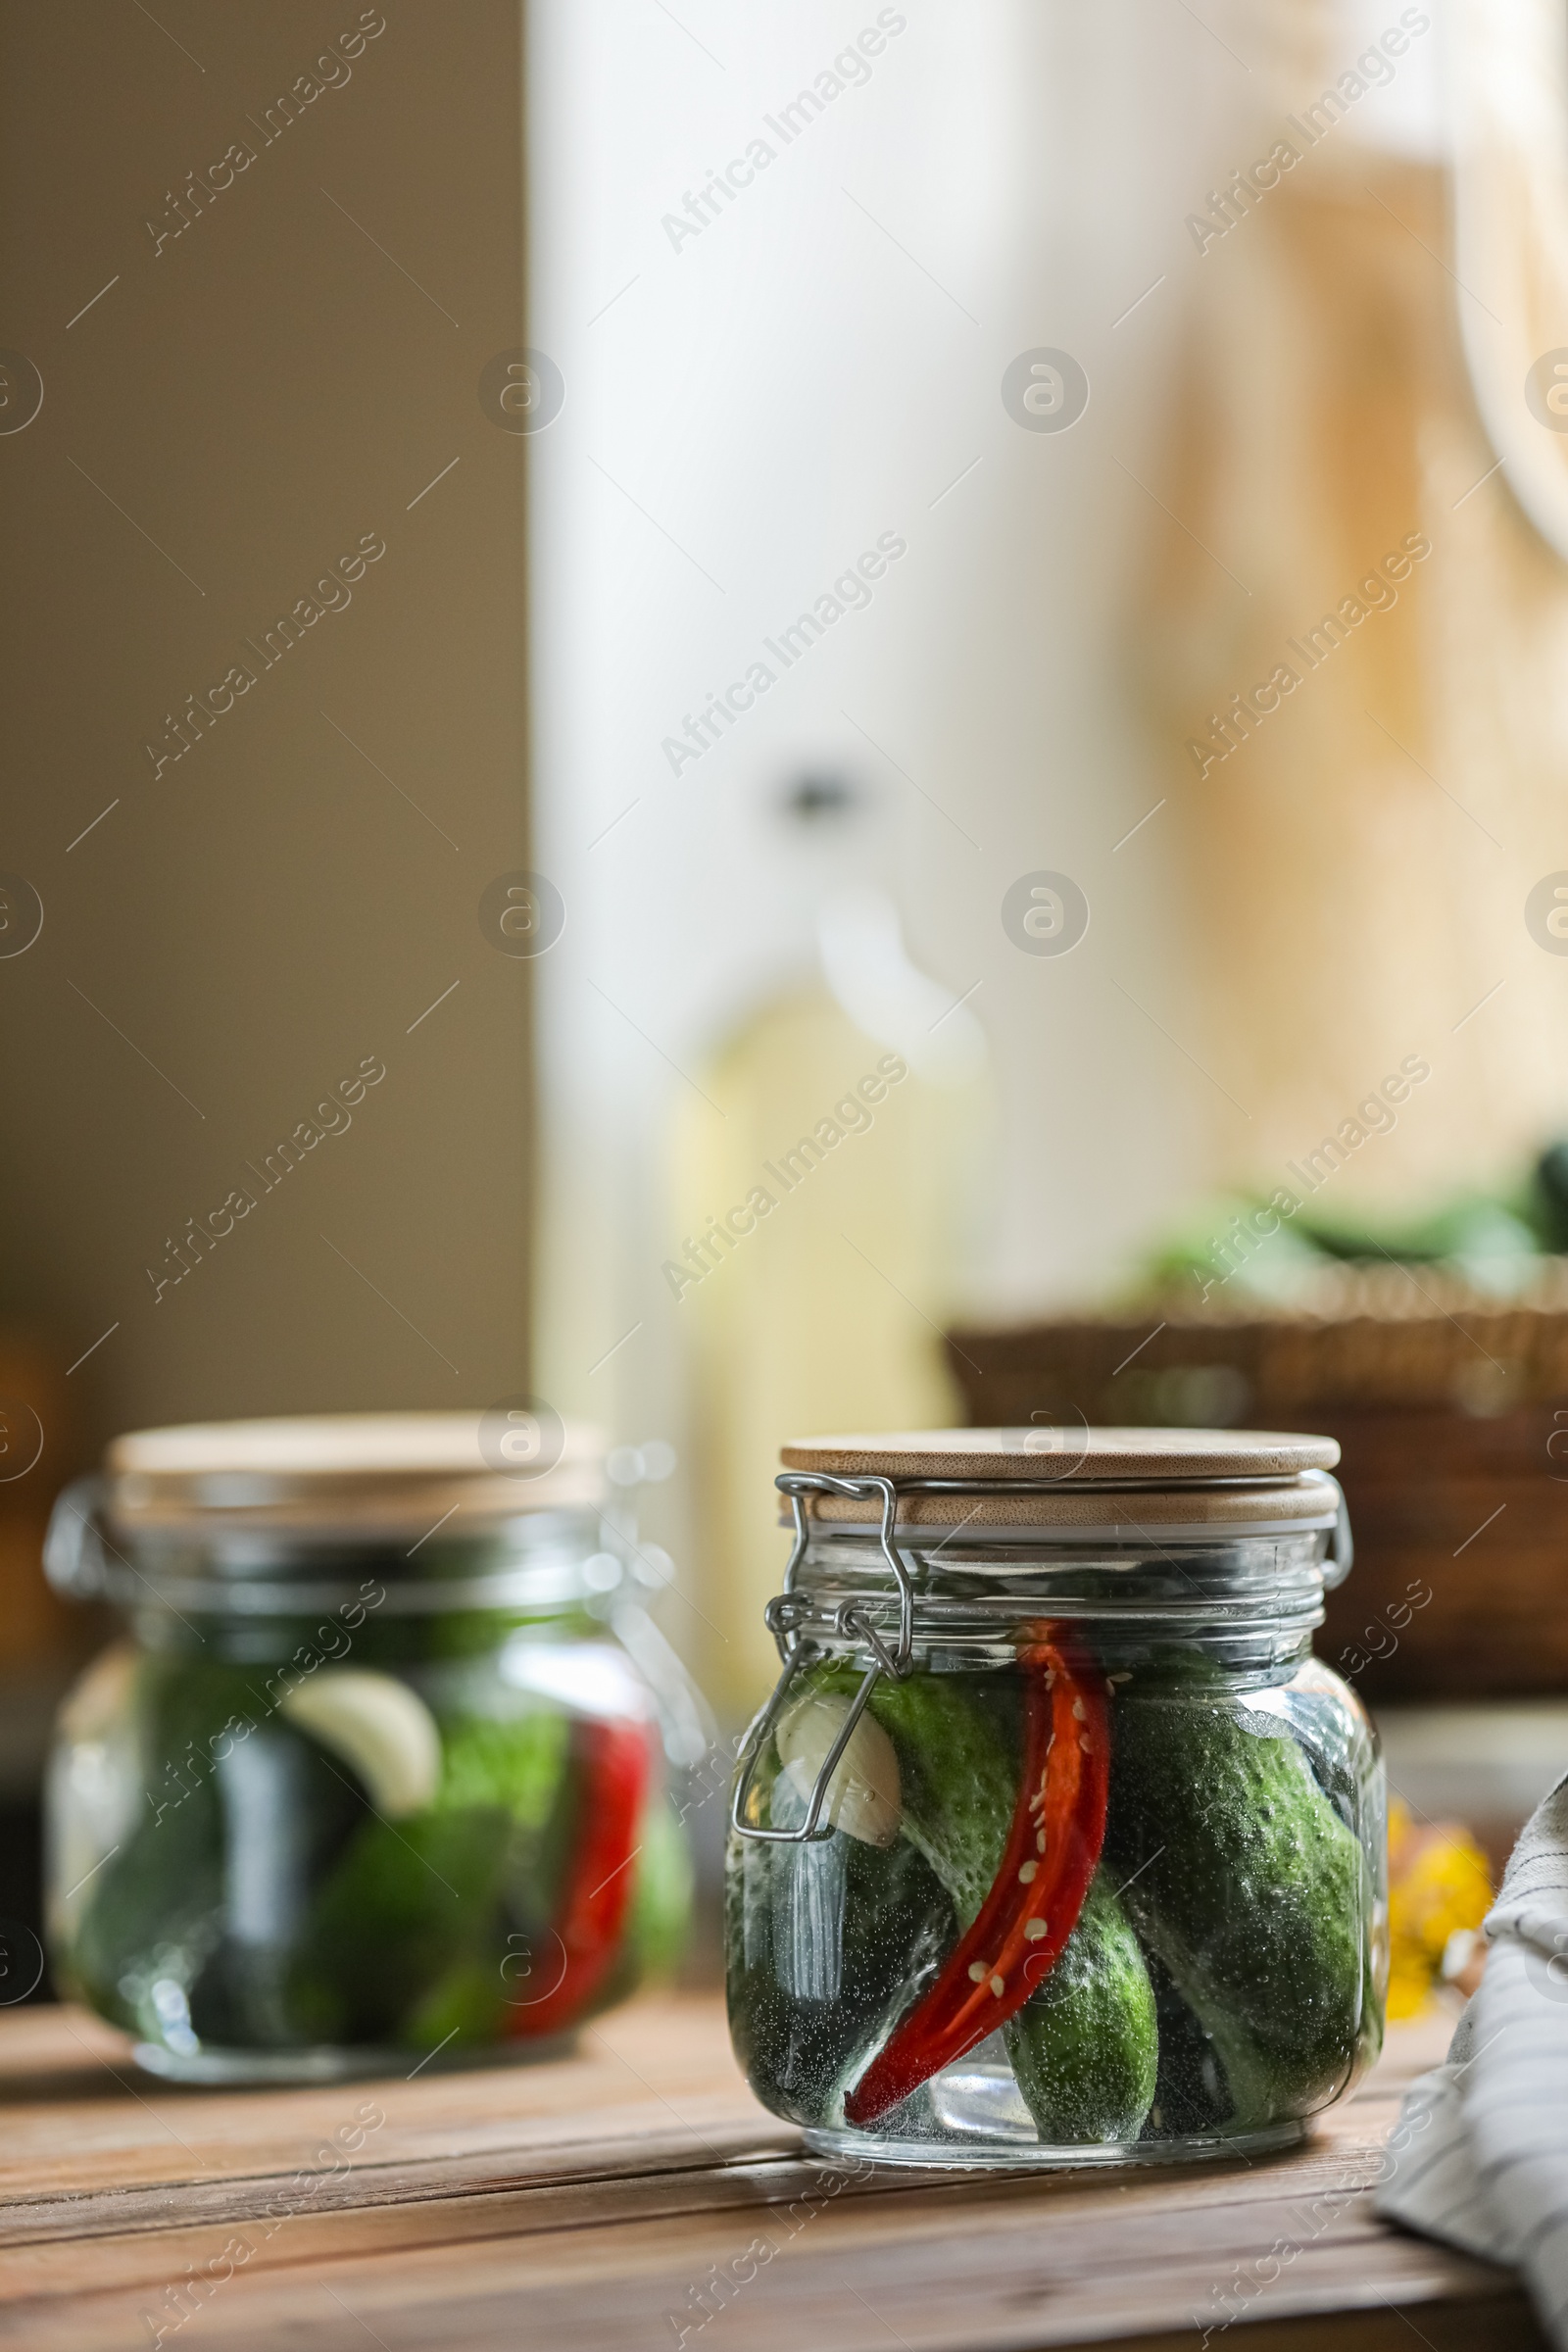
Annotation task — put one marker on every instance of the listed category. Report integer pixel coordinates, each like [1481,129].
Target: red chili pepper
[1052,1850]
[614,1761]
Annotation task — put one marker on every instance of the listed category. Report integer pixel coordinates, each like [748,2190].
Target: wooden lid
[1083,1455]
[354,1473]
[1109,1480]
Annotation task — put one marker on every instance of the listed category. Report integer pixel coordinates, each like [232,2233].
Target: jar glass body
[1222,1978]
[326,1807]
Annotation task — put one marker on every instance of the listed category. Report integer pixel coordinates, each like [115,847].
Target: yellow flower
[1438,1886]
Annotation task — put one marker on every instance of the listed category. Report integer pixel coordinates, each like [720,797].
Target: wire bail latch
[782,1613]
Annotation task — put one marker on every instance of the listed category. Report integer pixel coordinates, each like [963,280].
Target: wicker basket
[1451,1411]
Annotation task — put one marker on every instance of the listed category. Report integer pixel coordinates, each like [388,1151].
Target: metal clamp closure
[782,1617]
[1340,1554]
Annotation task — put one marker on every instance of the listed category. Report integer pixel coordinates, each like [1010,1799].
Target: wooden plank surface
[635,2194]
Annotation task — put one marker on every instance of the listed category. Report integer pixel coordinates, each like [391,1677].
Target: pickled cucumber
[826,1941]
[1243,1878]
[958,1775]
[1085,2048]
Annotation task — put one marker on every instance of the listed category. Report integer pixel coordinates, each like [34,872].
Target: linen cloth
[1480,2154]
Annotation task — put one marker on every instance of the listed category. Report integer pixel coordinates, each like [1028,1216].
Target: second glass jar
[373,1774]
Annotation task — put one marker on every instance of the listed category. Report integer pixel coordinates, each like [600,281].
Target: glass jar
[378,1768]
[1055,1843]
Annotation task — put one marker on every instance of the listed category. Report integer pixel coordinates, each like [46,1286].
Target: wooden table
[636,2196]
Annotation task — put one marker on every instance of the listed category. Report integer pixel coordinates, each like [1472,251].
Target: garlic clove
[863,1798]
[379,1726]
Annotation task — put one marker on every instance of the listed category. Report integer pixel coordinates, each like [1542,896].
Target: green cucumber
[1085,2048]
[407,1902]
[825,1943]
[959,1777]
[1247,1884]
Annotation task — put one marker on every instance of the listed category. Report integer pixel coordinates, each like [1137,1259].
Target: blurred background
[1012,555]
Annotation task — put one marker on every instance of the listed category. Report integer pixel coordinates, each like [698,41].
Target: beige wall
[256,394]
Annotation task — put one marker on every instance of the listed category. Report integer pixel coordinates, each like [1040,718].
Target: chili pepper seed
[997,1986]
[1026,1873]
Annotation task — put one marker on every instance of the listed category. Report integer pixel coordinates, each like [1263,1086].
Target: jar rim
[1123,1511]
[235,1567]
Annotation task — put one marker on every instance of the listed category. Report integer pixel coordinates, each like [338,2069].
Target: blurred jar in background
[373,1770]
